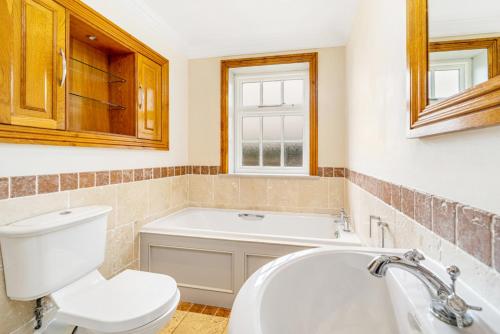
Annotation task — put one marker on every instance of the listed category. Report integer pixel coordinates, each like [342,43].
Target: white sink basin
[329,291]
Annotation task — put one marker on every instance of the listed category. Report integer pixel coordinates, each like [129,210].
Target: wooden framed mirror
[453,65]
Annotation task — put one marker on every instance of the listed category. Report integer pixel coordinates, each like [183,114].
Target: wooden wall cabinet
[37,53]
[149,106]
[68,76]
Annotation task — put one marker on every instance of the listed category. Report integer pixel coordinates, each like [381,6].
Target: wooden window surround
[312,60]
[475,107]
[38,104]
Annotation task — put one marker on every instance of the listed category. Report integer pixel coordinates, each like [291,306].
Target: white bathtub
[211,252]
[302,229]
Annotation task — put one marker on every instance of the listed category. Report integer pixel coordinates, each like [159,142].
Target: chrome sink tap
[446,305]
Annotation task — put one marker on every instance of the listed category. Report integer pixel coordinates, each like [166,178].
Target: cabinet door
[36,48]
[149,99]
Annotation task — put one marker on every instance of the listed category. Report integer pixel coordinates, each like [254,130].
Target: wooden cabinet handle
[141,96]
[64,67]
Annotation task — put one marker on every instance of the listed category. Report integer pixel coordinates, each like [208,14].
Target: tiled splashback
[442,228]
[449,232]
[140,195]
[134,203]
[310,194]
[323,194]
[208,187]
[475,231]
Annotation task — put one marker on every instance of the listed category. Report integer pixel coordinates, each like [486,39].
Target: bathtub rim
[255,211]
[352,241]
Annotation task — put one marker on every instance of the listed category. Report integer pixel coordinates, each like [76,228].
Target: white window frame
[464,67]
[239,112]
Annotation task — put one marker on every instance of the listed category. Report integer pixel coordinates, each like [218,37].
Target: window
[269,116]
[271,122]
[448,78]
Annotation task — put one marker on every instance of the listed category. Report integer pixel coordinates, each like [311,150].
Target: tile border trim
[21,186]
[456,222]
[473,230]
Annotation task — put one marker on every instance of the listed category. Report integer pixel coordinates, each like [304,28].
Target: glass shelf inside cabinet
[112,106]
[98,73]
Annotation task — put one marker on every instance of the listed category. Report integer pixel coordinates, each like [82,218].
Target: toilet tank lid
[53,221]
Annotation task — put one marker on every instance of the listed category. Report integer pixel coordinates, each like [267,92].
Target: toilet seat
[130,300]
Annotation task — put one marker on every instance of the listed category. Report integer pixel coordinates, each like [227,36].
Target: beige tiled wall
[404,232]
[308,194]
[136,203]
[133,203]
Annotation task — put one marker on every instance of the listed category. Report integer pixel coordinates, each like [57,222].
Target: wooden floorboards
[198,319]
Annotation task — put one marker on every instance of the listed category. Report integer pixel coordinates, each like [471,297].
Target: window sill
[278,176]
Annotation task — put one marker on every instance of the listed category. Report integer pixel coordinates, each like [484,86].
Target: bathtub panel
[193,260]
[194,268]
[253,262]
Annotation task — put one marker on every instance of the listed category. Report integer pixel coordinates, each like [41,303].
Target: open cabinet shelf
[100,74]
[112,106]
[101,82]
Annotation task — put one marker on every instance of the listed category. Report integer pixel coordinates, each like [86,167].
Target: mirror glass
[464,39]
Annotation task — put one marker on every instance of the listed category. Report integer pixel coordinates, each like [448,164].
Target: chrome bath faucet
[344,220]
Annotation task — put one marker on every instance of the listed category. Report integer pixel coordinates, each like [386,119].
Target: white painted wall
[204,107]
[135,19]
[463,166]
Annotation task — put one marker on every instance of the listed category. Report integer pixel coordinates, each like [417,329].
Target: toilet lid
[129,300]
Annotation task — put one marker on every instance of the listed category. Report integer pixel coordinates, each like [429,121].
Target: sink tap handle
[455,302]
[458,307]
[474,308]
[414,256]
[454,272]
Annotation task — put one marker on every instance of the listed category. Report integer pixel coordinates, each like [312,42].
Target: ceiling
[463,17]
[212,28]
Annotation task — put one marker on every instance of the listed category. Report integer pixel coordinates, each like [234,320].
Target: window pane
[251,154]
[294,127]
[272,154]
[271,91]
[293,154]
[294,91]
[251,128]
[272,128]
[446,83]
[251,94]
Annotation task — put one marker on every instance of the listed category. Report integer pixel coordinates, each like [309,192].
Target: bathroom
[249,167]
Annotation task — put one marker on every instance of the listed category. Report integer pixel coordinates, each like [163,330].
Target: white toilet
[57,255]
